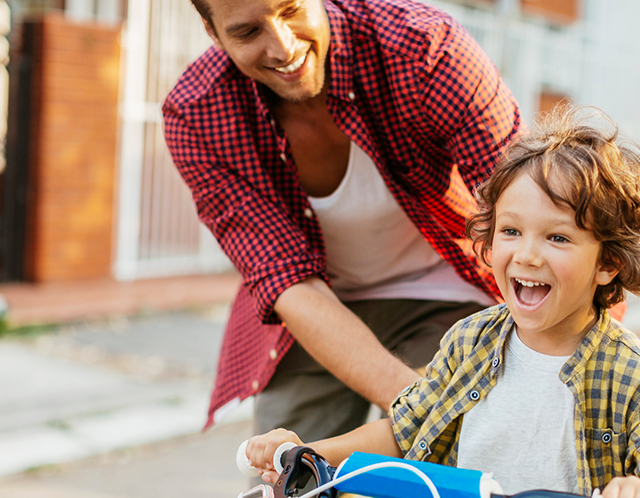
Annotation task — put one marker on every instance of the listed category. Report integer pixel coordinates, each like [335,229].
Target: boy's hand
[260,451]
[622,487]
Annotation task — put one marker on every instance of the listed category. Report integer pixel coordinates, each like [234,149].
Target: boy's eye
[558,238]
[510,231]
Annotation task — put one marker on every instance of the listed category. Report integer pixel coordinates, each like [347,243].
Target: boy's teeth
[293,67]
[527,283]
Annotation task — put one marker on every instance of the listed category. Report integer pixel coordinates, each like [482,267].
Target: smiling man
[332,149]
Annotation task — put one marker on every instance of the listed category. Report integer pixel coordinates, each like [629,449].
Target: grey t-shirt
[523,430]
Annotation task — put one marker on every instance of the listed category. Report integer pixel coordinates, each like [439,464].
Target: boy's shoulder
[484,326]
[616,335]
[488,318]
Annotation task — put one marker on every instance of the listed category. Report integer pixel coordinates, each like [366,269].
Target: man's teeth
[293,67]
[528,283]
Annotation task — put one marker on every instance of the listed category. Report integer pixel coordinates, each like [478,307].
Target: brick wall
[72,141]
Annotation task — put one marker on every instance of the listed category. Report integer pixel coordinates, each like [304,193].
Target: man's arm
[341,342]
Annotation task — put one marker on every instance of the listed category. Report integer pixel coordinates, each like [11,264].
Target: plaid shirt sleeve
[466,94]
[604,375]
[423,416]
[632,460]
[244,214]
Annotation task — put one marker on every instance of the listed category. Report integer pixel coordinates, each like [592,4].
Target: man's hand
[623,487]
[260,451]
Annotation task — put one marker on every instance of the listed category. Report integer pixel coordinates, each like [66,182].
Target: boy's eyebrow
[237,27]
[558,222]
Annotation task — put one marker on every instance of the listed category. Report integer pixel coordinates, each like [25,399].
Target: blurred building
[89,189]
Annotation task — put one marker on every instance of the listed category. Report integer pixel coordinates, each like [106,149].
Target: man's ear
[208,27]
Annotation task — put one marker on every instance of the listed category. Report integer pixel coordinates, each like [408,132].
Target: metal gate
[158,230]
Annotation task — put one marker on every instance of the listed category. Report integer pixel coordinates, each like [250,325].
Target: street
[195,466]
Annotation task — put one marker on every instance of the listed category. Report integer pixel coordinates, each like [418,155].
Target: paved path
[110,387]
[196,466]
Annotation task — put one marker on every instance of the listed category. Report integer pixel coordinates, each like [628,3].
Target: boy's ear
[212,33]
[605,274]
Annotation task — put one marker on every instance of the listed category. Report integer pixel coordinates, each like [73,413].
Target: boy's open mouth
[530,292]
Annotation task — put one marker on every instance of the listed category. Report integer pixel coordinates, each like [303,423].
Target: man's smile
[294,66]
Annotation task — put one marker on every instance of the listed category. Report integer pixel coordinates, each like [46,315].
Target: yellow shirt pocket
[606,452]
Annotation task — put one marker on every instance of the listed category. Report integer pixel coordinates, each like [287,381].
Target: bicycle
[304,474]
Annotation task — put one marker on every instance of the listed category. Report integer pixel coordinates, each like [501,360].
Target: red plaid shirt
[410,86]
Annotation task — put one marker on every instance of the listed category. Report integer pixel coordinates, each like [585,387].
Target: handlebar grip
[244,465]
[280,456]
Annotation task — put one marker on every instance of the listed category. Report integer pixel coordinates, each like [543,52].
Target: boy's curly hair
[603,175]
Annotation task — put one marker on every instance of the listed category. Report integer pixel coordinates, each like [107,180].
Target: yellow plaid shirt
[602,374]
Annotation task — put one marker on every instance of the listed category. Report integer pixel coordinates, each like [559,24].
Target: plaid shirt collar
[340,54]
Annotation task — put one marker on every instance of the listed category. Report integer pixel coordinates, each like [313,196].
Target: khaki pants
[304,397]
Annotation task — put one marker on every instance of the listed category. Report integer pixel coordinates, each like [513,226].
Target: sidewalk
[130,364]
[31,304]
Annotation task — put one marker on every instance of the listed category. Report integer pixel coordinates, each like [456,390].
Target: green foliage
[6,330]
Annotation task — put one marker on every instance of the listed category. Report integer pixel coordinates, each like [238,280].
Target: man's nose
[281,44]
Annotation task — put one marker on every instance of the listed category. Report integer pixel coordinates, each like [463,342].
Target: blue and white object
[397,482]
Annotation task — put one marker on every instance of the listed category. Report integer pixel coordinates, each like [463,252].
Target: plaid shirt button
[474,395]
[495,362]
[273,354]
[351,96]
[422,445]
[308,213]
[606,438]
[283,157]
[255,385]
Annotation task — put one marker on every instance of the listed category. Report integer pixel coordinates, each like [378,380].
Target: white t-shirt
[374,251]
[523,430]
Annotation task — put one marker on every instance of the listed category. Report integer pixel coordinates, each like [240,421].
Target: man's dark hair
[203,8]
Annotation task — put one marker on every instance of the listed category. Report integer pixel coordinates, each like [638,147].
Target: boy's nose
[528,253]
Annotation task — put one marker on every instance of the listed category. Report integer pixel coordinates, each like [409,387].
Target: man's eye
[558,238]
[291,12]
[246,35]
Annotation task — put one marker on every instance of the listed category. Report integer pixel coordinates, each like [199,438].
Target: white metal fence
[595,61]
[158,230]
